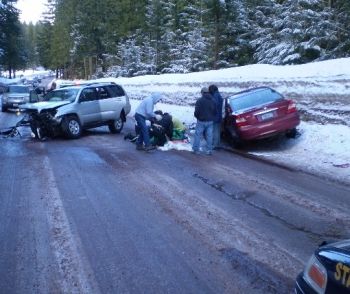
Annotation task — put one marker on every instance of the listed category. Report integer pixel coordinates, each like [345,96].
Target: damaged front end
[44,124]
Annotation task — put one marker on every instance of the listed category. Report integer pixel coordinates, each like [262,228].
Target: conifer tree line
[128,38]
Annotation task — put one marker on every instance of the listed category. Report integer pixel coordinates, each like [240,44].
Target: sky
[31,10]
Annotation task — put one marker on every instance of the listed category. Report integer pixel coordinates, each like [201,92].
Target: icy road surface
[94,215]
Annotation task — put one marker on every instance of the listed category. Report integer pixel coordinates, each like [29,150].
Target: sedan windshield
[62,95]
[248,100]
[18,89]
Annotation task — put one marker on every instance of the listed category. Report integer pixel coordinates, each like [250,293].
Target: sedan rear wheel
[232,138]
[71,127]
[292,133]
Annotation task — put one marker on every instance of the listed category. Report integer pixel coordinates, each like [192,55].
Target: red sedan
[259,113]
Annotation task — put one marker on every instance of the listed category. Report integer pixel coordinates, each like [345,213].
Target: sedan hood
[17,95]
[39,106]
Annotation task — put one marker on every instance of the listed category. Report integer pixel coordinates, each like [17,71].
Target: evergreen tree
[12,54]
[158,36]
[194,46]
[30,38]
[340,23]
[235,48]
[296,31]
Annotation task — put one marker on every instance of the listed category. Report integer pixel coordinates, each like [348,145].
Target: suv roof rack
[98,83]
[87,83]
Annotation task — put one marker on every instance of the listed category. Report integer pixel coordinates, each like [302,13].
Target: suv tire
[116,126]
[71,127]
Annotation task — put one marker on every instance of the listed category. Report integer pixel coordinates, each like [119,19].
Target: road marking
[76,273]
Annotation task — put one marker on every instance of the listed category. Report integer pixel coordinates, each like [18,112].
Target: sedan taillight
[240,120]
[291,107]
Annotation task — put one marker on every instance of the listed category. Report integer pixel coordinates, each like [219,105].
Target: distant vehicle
[258,113]
[16,95]
[69,110]
[327,271]
[34,81]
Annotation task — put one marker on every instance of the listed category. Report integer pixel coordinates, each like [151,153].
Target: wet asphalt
[94,215]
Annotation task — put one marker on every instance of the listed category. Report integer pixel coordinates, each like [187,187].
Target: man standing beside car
[142,113]
[205,111]
[214,91]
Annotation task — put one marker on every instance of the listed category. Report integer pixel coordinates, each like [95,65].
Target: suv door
[89,107]
[112,101]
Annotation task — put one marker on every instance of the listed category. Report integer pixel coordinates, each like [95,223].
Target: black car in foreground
[328,270]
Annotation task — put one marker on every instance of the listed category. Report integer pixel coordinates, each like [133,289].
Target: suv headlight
[315,275]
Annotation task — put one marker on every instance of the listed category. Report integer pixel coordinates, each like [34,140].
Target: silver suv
[69,110]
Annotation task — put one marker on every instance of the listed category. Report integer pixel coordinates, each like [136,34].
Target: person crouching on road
[142,113]
[162,130]
[205,111]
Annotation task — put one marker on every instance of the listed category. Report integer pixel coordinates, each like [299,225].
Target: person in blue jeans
[205,111]
[142,113]
[214,91]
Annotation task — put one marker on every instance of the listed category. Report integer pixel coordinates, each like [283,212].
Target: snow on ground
[320,149]
[25,74]
[320,89]
[323,146]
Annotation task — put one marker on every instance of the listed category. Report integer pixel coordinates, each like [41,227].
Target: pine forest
[81,39]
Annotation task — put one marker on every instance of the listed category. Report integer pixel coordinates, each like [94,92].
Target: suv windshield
[248,100]
[62,95]
[18,89]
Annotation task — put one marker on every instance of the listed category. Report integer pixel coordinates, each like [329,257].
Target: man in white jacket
[142,113]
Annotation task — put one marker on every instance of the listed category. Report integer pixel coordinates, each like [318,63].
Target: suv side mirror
[33,97]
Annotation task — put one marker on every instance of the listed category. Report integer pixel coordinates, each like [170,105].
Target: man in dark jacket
[214,91]
[205,111]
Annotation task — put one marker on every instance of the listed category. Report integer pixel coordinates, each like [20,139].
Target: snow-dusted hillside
[321,90]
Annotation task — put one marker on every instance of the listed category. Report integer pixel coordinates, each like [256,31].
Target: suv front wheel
[71,127]
[116,126]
